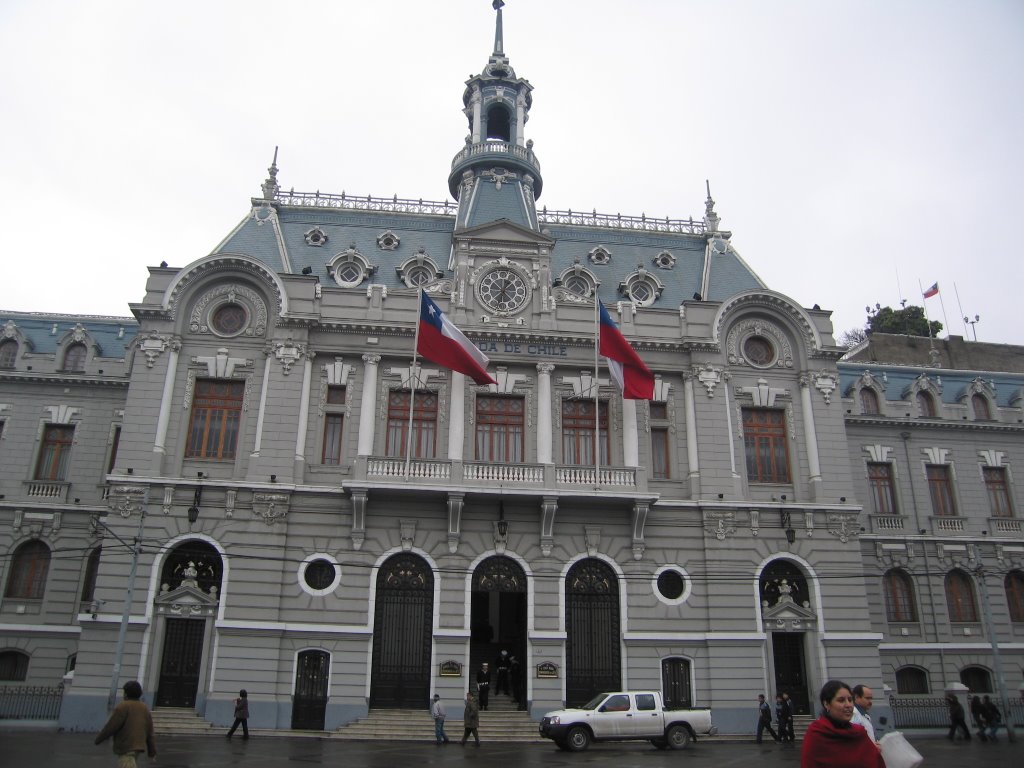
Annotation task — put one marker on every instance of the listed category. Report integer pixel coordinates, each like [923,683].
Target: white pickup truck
[626,715]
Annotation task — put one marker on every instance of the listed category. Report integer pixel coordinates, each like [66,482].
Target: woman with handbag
[832,741]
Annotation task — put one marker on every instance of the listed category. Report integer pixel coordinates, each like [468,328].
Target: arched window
[74,358]
[960,599]
[29,568]
[981,410]
[190,556]
[1014,585]
[868,402]
[911,680]
[8,353]
[13,666]
[977,679]
[926,405]
[899,596]
[783,581]
[499,124]
[92,567]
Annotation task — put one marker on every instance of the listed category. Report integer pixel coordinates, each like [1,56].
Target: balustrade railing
[496,148]
[947,525]
[1005,526]
[641,223]
[886,523]
[605,477]
[418,469]
[51,490]
[527,474]
[366,203]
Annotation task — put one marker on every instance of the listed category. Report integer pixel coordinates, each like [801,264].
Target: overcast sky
[854,149]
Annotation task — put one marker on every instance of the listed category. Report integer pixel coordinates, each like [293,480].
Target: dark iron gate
[675,684]
[402,631]
[310,702]
[788,655]
[592,650]
[180,663]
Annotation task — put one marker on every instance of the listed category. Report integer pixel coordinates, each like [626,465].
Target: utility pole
[115,675]
[997,663]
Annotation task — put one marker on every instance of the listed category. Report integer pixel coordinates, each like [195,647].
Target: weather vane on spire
[498,43]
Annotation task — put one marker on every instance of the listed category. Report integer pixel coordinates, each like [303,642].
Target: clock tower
[501,259]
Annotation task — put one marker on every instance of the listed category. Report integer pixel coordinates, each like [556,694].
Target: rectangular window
[424,424]
[216,417]
[764,439]
[578,432]
[998,491]
[55,453]
[940,486]
[882,490]
[659,441]
[500,428]
[114,443]
[333,422]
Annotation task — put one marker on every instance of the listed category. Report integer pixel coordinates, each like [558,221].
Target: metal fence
[30,702]
[932,712]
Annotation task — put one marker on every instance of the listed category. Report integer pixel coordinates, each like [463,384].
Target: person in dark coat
[993,716]
[483,684]
[471,719]
[764,718]
[783,716]
[980,720]
[131,725]
[501,666]
[515,674]
[790,711]
[241,714]
[956,718]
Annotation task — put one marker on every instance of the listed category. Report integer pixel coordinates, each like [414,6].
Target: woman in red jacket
[832,741]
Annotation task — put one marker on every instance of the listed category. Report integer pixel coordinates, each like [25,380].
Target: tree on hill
[908,321]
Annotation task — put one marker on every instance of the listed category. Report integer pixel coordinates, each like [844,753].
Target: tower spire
[499,43]
[711,219]
[270,185]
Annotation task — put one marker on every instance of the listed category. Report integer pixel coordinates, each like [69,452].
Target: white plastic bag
[898,753]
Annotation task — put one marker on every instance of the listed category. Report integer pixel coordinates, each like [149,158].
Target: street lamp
[997,663]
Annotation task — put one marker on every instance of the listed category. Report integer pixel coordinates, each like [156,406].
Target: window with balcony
[981,410]
[926,405]
[424,424]
[55,452]
[660,457]
[998,488]
[578,432]
[912,680]
[869,402]
[334,421]
[216,419]
[8,353]
[900,605]
[1014,585]
[764,440]
[940,487]
[74,358]
[29,568]
[500,428]
[883,490]
[960,598]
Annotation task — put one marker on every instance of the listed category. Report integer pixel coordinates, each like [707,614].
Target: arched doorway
[498,623]
[592,644]
[402,633]
[190,583]
[788,616]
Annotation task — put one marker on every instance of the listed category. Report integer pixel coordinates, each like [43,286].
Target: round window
[503,290]
[320,574]
[578,285]
[758,351]
[671,585]
[229,319]
[349,274]
[641,292]
[418,275]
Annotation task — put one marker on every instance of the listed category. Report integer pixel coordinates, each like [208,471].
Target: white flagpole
[413,376]
[924,303]
[597,389]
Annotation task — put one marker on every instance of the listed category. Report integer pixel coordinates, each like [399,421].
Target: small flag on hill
[932,291]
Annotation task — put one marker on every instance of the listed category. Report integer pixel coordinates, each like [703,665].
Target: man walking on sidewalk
[471,719]
[764,718]
[438,712]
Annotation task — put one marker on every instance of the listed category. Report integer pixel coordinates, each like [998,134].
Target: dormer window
[981,410]
[388,241]
[8,353]
[600,255]
[74,358]
[350,268]
[316,237]
[577,283]
[869,402]
[418,271]
[664,260]
[926,405]
[642,288]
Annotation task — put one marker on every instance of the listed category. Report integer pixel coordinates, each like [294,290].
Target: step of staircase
[502,721]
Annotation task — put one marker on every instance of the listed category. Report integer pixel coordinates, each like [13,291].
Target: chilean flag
[633,377]
[932,291]
[442,343]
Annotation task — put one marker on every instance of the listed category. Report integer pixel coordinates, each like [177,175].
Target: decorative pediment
[787,615]
[923,383]
[505,231]
[186,601]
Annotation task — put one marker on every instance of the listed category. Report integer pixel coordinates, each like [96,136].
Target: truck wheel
[578,739]
[659,743]
[678,737]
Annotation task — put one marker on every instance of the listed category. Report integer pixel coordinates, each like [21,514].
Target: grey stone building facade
[249,431]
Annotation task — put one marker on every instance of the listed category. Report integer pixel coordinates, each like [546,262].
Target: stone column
[692,454]
[300,437]
[810,437]
[630,436]
[544,452]
[263,409]
[160,442]
[368,406]
[457,422]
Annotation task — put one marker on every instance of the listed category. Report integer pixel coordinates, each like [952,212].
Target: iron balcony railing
[30,702]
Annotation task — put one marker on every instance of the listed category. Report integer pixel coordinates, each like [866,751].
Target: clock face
[503,290]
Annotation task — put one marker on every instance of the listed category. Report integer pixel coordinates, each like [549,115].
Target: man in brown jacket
[131,725]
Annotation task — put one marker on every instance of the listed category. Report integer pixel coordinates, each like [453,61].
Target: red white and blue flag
[932,291]
[441,342]
[633,377]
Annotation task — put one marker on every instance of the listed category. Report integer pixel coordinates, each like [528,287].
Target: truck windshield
[595,702]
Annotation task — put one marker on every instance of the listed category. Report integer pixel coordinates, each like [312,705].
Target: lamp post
[997,663]
[115,675]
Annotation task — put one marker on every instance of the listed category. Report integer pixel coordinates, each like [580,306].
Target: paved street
[31,749]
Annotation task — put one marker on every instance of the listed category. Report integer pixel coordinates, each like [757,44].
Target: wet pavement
[29,749]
